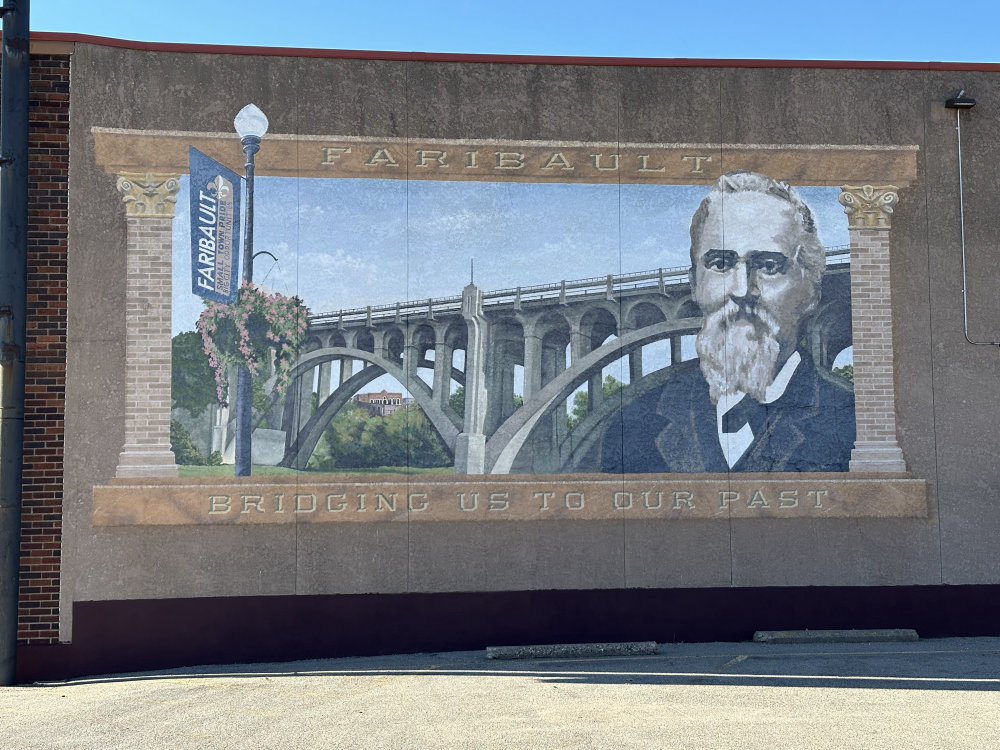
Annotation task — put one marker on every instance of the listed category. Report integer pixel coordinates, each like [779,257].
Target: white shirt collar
[735,444]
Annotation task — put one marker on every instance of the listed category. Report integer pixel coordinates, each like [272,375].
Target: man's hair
[809,254]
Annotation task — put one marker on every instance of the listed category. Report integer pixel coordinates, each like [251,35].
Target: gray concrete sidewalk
[926,694]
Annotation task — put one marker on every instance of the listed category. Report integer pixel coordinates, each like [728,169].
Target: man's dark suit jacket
[673,428]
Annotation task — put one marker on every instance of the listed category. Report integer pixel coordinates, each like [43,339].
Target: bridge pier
[595,391]
[377,339]
[443,357]
[578,345]
[500,393]
[323,388]
[305,398]
[470,446]
[506,349]
[532,365]
[411,359]
[553,427]
[635,365]
[291,422]
[676,355]
[220,428]
[298,405]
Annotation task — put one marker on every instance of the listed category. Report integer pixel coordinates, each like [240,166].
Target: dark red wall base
[123,636]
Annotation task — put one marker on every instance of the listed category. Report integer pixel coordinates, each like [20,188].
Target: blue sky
[347,243]
[397,233]
[919,30]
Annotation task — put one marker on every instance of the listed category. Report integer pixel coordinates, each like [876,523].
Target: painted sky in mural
[348,243]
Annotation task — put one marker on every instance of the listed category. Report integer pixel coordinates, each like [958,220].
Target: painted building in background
[383,403]
[673,338]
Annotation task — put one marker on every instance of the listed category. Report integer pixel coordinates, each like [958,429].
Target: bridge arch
[456,334]
[335,338]
[393,343]
[312,343]
[580,452]
[642,313]
[540,325]
[597,323]
[829,325]
[503,447]
[364,340]
[422,335]
[303,444]
[687,308]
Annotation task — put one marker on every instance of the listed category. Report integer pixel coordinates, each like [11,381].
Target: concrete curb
[835,636]
[565,650]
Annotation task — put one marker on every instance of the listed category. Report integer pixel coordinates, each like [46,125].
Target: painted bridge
[547,341]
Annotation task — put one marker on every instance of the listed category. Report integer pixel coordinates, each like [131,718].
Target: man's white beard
[738,351]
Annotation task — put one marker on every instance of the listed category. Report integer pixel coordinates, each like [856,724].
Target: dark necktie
[747,411]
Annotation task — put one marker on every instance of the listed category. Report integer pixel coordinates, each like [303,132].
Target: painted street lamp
[251,125]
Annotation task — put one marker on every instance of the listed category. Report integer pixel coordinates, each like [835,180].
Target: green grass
[263,471]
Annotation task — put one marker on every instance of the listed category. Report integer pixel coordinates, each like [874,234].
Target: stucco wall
[944,387]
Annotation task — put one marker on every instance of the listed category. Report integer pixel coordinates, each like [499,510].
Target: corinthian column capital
[869,206]
[151,194]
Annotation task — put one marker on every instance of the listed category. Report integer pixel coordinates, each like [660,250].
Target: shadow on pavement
[948,664]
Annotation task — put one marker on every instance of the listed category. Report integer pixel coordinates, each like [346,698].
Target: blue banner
[215,229]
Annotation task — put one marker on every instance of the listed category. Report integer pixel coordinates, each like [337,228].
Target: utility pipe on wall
[958,103]
[14,76]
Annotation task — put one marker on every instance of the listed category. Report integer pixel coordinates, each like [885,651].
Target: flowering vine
[251,330]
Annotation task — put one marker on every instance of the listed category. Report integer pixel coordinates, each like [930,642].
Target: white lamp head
[250,122]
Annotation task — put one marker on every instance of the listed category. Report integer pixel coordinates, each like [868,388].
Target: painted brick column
[869,211]
[149,203]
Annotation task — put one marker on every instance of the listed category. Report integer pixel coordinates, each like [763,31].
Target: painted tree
[609,387]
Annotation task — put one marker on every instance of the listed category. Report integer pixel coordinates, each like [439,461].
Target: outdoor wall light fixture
[960,101]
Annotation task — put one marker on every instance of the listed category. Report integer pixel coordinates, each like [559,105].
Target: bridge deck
[610,286]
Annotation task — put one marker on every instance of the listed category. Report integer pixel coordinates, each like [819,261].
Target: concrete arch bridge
[546,341]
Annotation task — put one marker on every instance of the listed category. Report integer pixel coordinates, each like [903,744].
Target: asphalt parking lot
[926,694]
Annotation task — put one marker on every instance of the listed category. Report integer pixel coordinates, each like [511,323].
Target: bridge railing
[563,291]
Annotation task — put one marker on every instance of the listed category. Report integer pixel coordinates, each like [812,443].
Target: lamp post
[251,124]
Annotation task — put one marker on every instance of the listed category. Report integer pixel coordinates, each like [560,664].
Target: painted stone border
[148,164]
[288,155]
[589,497]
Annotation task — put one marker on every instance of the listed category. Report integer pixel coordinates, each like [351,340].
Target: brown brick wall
[45,368]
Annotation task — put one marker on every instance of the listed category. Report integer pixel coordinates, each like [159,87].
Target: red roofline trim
[676,62]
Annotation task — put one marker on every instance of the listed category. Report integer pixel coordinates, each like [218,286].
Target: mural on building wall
[530,330]
[477,327]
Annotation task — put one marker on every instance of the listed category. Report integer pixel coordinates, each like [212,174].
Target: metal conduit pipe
[958,103]
[14,72]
